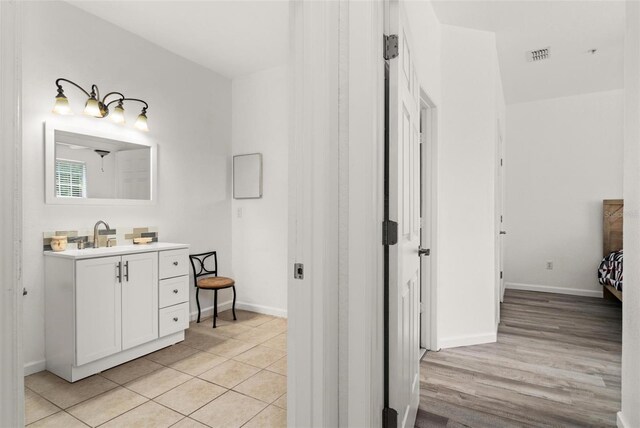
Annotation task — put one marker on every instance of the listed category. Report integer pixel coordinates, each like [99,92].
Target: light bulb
[62,105]
[141,122]
[118,114]
[92,108]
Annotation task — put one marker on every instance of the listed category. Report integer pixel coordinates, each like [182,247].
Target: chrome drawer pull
[175,319]
[175,263]
[175,291]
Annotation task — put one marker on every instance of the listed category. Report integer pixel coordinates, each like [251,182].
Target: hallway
[556,362]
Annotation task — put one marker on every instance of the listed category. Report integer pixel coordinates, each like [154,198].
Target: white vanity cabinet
[139,299]
[98,309]
[108,306]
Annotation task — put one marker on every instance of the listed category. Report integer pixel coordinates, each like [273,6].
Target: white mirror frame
[94,128]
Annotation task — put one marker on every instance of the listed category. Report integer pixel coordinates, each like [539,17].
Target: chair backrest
[198,264]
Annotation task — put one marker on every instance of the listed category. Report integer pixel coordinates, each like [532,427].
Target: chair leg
[198,303]
[233,307]
[215,307]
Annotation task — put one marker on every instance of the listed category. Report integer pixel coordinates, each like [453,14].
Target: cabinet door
[139,299]
[98,309]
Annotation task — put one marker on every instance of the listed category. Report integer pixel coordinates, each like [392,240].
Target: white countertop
[90,253]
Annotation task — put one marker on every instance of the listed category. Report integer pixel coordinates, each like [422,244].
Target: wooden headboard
[612,225]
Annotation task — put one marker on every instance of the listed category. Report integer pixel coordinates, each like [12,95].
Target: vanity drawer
[173,291]
[174,319]
[174,263]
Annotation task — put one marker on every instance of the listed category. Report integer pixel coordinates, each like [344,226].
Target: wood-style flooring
[556,363]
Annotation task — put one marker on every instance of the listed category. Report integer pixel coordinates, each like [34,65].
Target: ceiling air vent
[538,55]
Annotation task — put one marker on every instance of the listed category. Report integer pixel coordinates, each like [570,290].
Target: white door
[139,299]
[404,207]
[98,309]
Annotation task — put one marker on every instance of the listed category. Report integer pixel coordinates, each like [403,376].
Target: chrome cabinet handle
[119,270]
[175,291]
[175,319]
[126,271]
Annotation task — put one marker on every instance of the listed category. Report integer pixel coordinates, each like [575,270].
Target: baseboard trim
[551,289]
[267,310]
[620,421]
[34,367]
[208,311]
[474,339]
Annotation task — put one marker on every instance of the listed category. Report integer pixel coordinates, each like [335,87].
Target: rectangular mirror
[247,176]
[97,169]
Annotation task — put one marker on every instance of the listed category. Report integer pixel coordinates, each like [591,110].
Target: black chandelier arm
[120,98]
[73,83]
[146,106]
[95,92]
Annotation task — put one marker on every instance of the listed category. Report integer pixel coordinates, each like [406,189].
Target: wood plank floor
[556,363]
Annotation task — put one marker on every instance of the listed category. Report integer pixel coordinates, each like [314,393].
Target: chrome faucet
[96,242]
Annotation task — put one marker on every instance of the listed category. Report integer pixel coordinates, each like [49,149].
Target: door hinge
[389,232]
[501,162]
[298,271]
[501,273]
[390,46]
[500,219]
[389,418]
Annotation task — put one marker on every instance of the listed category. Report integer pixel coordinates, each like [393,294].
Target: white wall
[564,157]
[260,226]
[427,35]
[470,107]
[629,417]
[189,118]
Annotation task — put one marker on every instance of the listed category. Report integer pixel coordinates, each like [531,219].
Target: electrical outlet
[549,265]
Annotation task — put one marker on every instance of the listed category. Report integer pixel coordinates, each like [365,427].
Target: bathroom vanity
[106,306]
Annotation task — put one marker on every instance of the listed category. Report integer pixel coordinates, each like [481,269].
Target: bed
[610,272]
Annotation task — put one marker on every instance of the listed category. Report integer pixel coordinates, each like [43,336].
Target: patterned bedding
[610,270]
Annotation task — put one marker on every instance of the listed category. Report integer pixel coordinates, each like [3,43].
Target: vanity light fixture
[141,122]
[118,113]
[99,108]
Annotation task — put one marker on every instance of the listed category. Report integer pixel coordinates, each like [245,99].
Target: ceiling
[233,38]
[570,28]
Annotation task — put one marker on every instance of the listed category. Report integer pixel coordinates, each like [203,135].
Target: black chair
[206,279]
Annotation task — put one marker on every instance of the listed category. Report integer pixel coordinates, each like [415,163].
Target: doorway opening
[428,223]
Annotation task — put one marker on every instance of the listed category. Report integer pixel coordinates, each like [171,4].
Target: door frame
[314,168]
[361,212]
[499,219]
[336,207]
[11,360]
[429,180]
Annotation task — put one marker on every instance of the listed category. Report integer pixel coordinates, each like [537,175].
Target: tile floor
[231,376]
